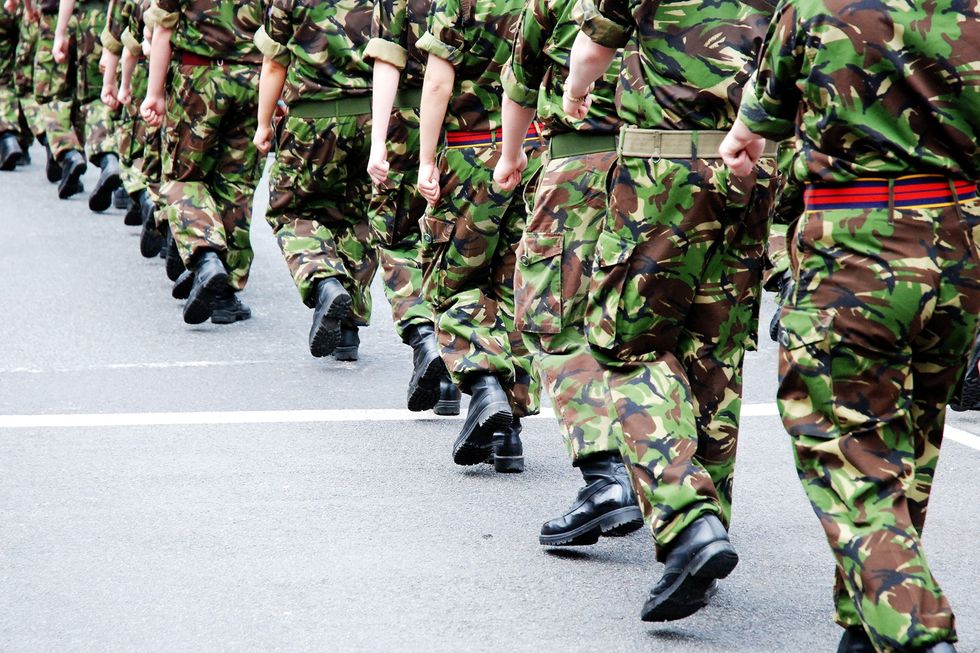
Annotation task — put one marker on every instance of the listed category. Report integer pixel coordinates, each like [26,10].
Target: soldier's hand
[576,107]
[10,6]
[110,96]
[429,182]
[263,139]
[508,172]
[153,110]
[741,149]
[378,166]
[125,94]
[60,48]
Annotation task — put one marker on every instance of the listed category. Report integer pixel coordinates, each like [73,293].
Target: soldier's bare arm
[128,65]
[513,159]
[437,89]
[271,82]
[588,62]
[65,9]
[153,107]
[385,86]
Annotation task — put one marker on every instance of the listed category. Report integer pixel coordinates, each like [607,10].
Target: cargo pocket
[612,257]
[806,384]
[537,283]
[436,237]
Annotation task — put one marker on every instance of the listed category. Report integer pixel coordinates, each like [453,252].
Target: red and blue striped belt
[911,192]
[477,139]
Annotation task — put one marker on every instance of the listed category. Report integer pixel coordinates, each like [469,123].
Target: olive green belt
[409,98]
[339,108]
[676,144]
[580,144]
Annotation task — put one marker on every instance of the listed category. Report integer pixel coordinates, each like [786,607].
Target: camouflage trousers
[873,341]
[470,242]
[551,287]
[673,306]
[12,118]
[24,78]
[318,207]
[137,138]
[395,211]
[210,166]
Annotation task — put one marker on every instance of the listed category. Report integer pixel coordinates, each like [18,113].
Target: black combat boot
[605,505]
[10,151]
[429,370]
[52,170]
[228,309]
[698,556]
[855,640]
[346,349]
[73,166]
[784,290]
[448,403]
[967,393]
[489,413]
[120,199]
[332,307]
[133,216]
[109,181]
[210,280]
[508,451]
[183,285]
[151,240]
[167,238]
[25,158]
[175,264]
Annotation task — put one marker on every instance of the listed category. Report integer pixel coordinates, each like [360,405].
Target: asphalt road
[350,532]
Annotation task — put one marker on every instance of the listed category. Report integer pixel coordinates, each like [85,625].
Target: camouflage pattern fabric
[673,306]
[210,166]
[470,239]
[899,319]
[54,92]
[396,28]
[24,80]
[395,211]
[551,286]
[216,29]
[304,35]
[318,206]
[478,45]
[10,113]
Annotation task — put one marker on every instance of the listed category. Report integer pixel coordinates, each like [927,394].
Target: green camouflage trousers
[395,211]
[24,77]
[470,242]
[136,137]
[210,166]
[551,288]
[318,199]
[673,306]
[11,117]
[873,341]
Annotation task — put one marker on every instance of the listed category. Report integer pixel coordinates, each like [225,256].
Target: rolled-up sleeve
[165,13]
[273,37]
[444,35]
[606,22]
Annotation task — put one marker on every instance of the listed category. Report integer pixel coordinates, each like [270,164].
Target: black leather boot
[73,166]
[508,451]
[605,505]
[167,239]
[25,158]
[855,640]
[228,309]
[175,264]
[210,280]
[52,170]
[10,151]
[183,284]
[120,199]
[429,368]
[489,413]
[151,240]
[346,349]
[784,290]
[701,554]
[109,181]
[133,216]
[332,307]
[449,397]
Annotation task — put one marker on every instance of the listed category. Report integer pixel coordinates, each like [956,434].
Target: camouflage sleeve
[444,35]
[388,33]
[165,13]
[273,37]
[524,74]
[606,22]
[772,98]
[111,36]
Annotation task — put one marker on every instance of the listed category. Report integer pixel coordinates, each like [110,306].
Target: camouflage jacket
[686,61]
[111,36]
[134,28]
[217,29]
[880,89]
[322,45]
[475,37]
[395,31]
[535,75]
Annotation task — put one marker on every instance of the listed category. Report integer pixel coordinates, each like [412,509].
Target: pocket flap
[435,230]
[801,328]
[535,248]
[612,250]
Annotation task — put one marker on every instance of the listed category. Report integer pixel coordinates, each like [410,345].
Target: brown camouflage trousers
[210,166]
[24,78]
[551,286]
[318,207]
[470,240]
[395,212]
[873,342]
[674,305]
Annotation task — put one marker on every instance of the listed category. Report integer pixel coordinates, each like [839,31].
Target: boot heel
[446,407]
[508,464]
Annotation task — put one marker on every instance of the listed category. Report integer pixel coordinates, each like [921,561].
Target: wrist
[576,95]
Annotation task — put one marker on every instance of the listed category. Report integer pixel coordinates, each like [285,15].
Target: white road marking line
[92,420]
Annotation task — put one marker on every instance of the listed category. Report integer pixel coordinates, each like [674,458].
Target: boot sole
[615,523]
[199,308]
[10,162]
[132,217]
[70,186]
[101,198]
[692,589]
[151,242]
[472,448]
[229,317]
[423,392]
[326,337]
[52,173]
[345,353]
[508,464]
[446,407]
